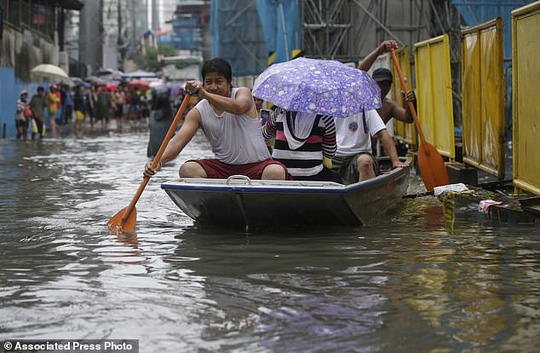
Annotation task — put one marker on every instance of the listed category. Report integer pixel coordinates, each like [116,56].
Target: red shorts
[216,169]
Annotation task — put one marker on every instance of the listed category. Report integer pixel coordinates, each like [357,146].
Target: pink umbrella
[138,85]
[111,87]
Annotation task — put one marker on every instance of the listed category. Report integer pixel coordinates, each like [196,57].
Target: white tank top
[235,139]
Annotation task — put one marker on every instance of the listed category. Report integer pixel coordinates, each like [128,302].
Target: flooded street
[401,285]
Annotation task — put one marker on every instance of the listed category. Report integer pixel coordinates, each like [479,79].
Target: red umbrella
[111,87]
[138,85]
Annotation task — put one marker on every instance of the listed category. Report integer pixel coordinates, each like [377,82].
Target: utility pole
[101,33]
[120,41]
[155,15]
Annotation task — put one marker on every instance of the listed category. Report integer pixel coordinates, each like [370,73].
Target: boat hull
[253,203]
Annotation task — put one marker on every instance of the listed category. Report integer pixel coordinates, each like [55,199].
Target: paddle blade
[431,166]
[118,225]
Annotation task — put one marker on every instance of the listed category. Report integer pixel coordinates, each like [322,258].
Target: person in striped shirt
[302,140]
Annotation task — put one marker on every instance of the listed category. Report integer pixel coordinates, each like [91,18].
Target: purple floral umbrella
[318,86]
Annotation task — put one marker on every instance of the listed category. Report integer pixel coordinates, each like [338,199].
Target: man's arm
[404,114]
[241,104]
[390,148]
[384,47]
[178,142]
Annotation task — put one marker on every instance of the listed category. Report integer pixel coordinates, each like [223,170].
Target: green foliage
[180,64]
[149,61]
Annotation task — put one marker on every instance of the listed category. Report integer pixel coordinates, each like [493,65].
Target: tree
[149,61]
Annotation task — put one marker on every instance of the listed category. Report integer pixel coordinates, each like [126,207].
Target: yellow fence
[434,93]
[482,61]
[402,131]
[526,100]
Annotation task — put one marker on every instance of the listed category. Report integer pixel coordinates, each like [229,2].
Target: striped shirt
[304,160]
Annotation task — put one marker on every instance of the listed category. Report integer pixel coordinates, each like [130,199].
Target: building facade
[32,33]
[190,27]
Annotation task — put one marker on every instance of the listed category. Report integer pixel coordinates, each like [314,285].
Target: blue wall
[272,23]
[238,39]
[10,88]
[477,11]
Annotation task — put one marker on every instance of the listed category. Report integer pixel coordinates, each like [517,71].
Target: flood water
[403,284]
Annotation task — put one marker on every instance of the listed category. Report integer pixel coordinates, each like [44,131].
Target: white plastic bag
[451,187]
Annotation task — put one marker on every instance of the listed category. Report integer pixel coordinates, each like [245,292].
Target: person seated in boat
[354,161]
[384,79]
[229,120]
[301,142]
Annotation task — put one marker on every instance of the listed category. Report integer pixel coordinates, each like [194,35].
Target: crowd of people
[231,120]
[96,104]
[63,104]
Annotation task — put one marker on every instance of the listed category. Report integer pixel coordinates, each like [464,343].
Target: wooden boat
[239,201]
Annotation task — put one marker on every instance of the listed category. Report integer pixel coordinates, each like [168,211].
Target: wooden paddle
[124,220]
[431,164]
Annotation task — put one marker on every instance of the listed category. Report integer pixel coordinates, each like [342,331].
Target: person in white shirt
[354,161]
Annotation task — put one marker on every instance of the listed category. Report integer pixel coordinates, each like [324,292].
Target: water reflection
[262,284]
[463,284]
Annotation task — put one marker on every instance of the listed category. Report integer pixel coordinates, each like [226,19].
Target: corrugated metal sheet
[482,74]
[434,85]
[526,84]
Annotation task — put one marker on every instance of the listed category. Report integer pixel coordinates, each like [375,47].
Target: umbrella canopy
[318,86]
[96,80]
[159,86]
[79,82]
[111,86]
[138,85]
[139,74]
[99,82]
[162,88]
[156,83]
[90,79]
[110,74]
[49,72]
[104,71]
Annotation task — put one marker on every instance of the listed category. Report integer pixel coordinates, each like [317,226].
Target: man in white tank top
[229,120]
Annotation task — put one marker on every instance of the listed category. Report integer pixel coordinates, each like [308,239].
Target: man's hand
[384,47]
[193,87]
[149,171]
[387,45]
[399,164]
[408,96]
